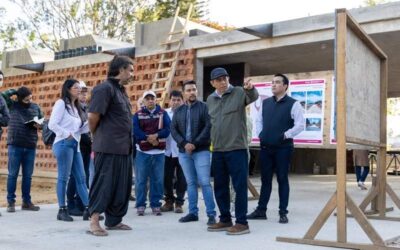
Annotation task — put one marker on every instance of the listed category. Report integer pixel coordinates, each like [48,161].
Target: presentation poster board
[311,95]
[363,90]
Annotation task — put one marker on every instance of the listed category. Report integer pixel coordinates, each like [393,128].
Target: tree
[374,2]
[49,21]
[46,22]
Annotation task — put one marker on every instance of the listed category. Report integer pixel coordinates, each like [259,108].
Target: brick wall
[46,89]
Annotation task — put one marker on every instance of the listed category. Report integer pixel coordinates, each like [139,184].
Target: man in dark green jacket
[227,109]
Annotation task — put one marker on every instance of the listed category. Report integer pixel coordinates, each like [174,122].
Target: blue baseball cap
[218,72]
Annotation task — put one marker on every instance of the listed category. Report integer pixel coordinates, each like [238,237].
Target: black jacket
[86,139]
[200,126]
[20,134]
[4,114]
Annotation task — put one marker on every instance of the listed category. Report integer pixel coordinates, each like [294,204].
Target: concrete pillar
[199,72]
[247,71]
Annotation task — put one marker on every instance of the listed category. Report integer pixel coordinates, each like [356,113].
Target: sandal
[120,226]
[97,232]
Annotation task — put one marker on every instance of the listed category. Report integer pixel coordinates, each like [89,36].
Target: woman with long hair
[68,122]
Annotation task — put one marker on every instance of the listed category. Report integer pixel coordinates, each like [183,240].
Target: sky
[251,12]
[240,13]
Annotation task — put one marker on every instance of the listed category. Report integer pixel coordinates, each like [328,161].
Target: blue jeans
[232,164]
[73,199]
[362,173]
[69,160]
[151,167]
[25,157]
[196,168]
[275,159]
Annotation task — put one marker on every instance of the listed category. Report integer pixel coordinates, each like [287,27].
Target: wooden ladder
[162,80]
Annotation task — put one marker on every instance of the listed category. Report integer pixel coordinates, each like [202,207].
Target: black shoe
[11,207]
[75,211]
[86,214]
[132,198]
[63,215]
[211,220]
[189,218]
[283,219]
[257,215]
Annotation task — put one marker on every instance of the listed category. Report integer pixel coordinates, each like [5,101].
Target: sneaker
[362,186]
[140,211]
[132,198]
[156,211]
[220,226]
[211,220]
[178,209]
[11,207]
[283,219]
[238,229]
[188,218]
[63,215]
[167,207]
[29,206]
[257,215]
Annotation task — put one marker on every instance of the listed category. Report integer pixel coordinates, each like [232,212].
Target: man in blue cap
[227,109]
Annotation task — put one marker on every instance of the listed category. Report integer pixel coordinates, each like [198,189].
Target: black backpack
[48,135]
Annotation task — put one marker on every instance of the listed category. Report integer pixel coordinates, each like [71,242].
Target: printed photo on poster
[314,102]
[311,95]
[301,97]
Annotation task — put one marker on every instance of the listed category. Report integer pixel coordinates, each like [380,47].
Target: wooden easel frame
[341,200]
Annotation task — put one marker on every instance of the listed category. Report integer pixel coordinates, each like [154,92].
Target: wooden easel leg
[252,189]
[373,192]
[322,218]
[393,195]
[363,222]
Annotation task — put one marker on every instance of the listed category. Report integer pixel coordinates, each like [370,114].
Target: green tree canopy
[46,22]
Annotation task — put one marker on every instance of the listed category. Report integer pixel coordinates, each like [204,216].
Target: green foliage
[46,22]
[393,106]
[374,2]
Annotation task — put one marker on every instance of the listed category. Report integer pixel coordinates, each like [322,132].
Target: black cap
[218,72]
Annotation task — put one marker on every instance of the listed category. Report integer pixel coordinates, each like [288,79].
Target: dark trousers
[234,165]
[170,168]
[362,173]
[73,199]
[275,159]
[19,157]
[111,187]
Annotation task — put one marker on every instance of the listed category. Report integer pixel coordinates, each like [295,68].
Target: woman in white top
[68,123]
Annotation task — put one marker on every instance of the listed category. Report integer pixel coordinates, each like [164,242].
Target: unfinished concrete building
[302,48]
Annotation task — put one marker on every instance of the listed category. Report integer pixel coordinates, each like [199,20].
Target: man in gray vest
[280,119]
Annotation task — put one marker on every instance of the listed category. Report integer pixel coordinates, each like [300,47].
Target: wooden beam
[381,163]
[327,243]
[252,189]
[354,140]
[393,195]
[340,68]
[373,192]
[322,218]
[356,28]
[363,222]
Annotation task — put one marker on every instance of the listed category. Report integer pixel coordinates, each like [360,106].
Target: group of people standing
[185,142]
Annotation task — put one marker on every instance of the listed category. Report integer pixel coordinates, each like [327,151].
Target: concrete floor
[41,230]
